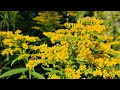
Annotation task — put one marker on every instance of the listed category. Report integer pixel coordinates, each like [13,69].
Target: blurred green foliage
[8,19]
[111,20]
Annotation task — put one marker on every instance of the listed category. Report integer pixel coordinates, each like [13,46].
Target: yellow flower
[17,31]
[100,62]
[31,39]
[43,47]
[106,75]
[30,64]
[18,37]
[34,47]
[53,76]
[63,42]
[40,61]
[17,49]
[118,73]
[109,63]
[7,41]
[97,72]
[24,45]
[7,34]
[78,74]
[72,74]
[82,67]
[106,47]
[10,44]
[7,51]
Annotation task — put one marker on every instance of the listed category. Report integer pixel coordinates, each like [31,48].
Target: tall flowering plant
[81,51]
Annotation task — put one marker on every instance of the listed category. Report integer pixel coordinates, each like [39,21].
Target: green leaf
[37,75]
[49,73]
[13,72]
[6,68]
[80,15]
[48,69]
[118,30]
[14,61]
[52,71]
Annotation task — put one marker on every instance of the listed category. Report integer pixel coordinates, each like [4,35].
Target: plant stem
[29,74]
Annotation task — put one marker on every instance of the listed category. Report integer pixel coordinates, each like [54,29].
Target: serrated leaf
[13,72]
[37,75]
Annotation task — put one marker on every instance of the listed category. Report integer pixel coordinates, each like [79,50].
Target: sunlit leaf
[13,72]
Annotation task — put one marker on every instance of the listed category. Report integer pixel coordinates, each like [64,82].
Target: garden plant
[84,49]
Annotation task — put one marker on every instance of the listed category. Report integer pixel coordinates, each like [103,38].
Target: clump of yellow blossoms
[82,50]
[89,49]
[97,72]
[72,74]
[16,42]
[53,76]
[16,45]
[30,64]
[48,20]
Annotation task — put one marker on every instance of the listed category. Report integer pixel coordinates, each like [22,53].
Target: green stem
[29,74]
[14,23]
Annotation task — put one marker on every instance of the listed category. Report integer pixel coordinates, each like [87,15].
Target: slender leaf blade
[80,14]
[52,71]
[48,69]
[13,72]
[14,61]
[37,75]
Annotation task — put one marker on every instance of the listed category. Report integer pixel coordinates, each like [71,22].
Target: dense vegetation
[59,45]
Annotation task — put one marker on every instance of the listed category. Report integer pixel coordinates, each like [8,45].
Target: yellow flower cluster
[97,72]
[14,42]
[33,47]
[54,54]
[31,64]
[105,38]
[48,20]
[53,76]
[18,31]
[82,68]
[24,45]
[72,74]
[31,39]
[85,42]
[8,42]
[23,56]
[16,45]
[84,52]
[111,73]
[8,34]
[90,21]
[7,51]
[80,50]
